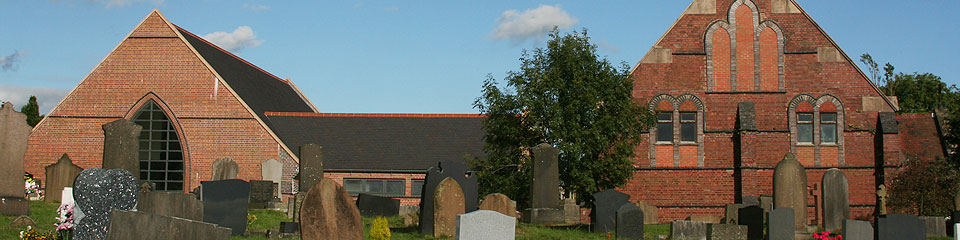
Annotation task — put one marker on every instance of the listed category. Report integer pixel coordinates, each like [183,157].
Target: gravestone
[14,132]
[603,218]
[66,195]
[224,168]
[261,192]
[752,217]
[121,146]
[780,225]
[688,230]
[225,203]
[148,226]
[857,230]
[486,224]
[328,212]
[23,221]
[790,190]
[97,192]
[751,200]
[60,175]
[311,166]
[730,213]
[705,218]
[766,202]
[173,204]
[499,203]
[290,228]
[954,219]
[900,226]
[726,232]
[447,204]
[836,201]
[372,205]
[935,226]
[650,213]
[630,222]
[545,185]
[452,169]
[571,211]
[272,170]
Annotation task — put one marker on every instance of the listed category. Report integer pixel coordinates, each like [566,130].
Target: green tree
[923,92]
[567,96]
[32,110]
[925,188]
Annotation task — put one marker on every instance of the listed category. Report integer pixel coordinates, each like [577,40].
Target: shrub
[925,188]
[380,229]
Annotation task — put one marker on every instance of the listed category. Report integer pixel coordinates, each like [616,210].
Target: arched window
[677,138]
[816,127]
[161,155]
[744,54]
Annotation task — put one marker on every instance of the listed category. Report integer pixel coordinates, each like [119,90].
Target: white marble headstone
[66,196]
[486,224]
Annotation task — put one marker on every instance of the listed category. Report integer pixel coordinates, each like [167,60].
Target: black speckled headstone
[225,203]
[372,205]
[452,169]
[97,192]
[605,205]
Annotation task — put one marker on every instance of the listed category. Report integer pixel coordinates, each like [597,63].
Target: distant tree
[923,92]
[32,110]
[924,188]
[567,96]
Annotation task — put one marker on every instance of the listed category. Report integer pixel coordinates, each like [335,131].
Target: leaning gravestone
[14,132]
[452,169]
[60,175]
[780,225]
[261,192]
[605,205]
[311,166]
[121,146]
[372,205]
[900,226]
[836,201]
[23,221]
[688,230]
[447,204]
[97,192]
[147,226]
[272,170]
[752,217]
[328,212]
[630,222]
[790,190]
[499,203]
[173,204]
[224,168]
[650,213]
[936,227]
[225,203]
[726,232]
[857,230]
[485,224]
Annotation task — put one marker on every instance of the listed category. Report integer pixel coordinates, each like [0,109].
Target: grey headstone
[888,123]
[545,187]
[836,201]
[121,146]
[751,200]
[790,189]
[173,204]
[486,224]
[746,116]
[14,132]
[900,226]
[261,192]
[630,222]
[311,166]
[731,215]
[372,205]
[857,230]
[726,232]
[272,170]
[224,168]
[603,218]
[452,169]
[225,203]
[147,226]
[780,225]
[97,192]
[60,175]
[752,217]
[688,230]
[935,226]
[766,202]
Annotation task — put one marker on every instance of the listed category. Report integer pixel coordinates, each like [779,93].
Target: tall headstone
[121,146]
[900,226]
[688,230]
[224,168]
[630,222]
[373,205]
[60,175]
[605,205]
[147,226]
[499,203]
[447,204]
[328,212]
[545,187]
[311,166]
[272,170]
[790,190]
[173,204]
[225,203]
[484,225]
[780,225]
[836,201]
[458,172]
[752,217]
[97,192]
[13,144]
[857,230]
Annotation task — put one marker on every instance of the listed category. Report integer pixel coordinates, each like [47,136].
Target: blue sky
[417,56]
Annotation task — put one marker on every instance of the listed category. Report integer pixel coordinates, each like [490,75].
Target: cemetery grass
[44,214]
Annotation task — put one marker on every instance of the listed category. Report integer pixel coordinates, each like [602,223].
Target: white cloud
[18,95]
[531,23]
[605,45]
[256,7]
[392,9]
[239,39]
[10,62]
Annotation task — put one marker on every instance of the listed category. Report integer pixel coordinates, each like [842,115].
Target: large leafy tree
[567,96]
[32,110]
[916,92]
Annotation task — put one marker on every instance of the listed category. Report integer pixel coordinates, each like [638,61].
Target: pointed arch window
[161,154]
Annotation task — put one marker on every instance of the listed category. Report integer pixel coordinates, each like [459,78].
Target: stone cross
[882,195]
[60,175]
[14,132]
[121,146]
[789,189]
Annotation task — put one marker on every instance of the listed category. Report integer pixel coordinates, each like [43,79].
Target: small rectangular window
[395,187]
[805,127]
[665,127]
[353,186]
[828,128]
[688,127]
[417,188]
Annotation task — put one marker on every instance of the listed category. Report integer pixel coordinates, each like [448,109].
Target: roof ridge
[231,54]
[419,115]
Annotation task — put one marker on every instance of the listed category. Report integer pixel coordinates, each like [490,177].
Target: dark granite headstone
[311,166]
[372,205]
[147,226]
[790,189]
[605,205]
[261,192]
[752,217]
[452,169]
[630,222]
[900,226]
[14,132]
[174,204]
[225,203]
[96,192]
[954,219]
[545,186]
[857,230]
[60,175]
[688,230]
[780,225]
[224,168]
[836,202]
[121,146]
[289,227]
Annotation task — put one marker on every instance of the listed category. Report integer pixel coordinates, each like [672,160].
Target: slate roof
[387,142]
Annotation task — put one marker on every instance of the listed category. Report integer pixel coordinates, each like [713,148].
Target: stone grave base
[543,215]
[12,206]
[146,226]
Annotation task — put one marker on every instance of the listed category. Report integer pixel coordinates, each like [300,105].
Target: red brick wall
[919,136]
[769,60]
[745,49]
[721,60]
